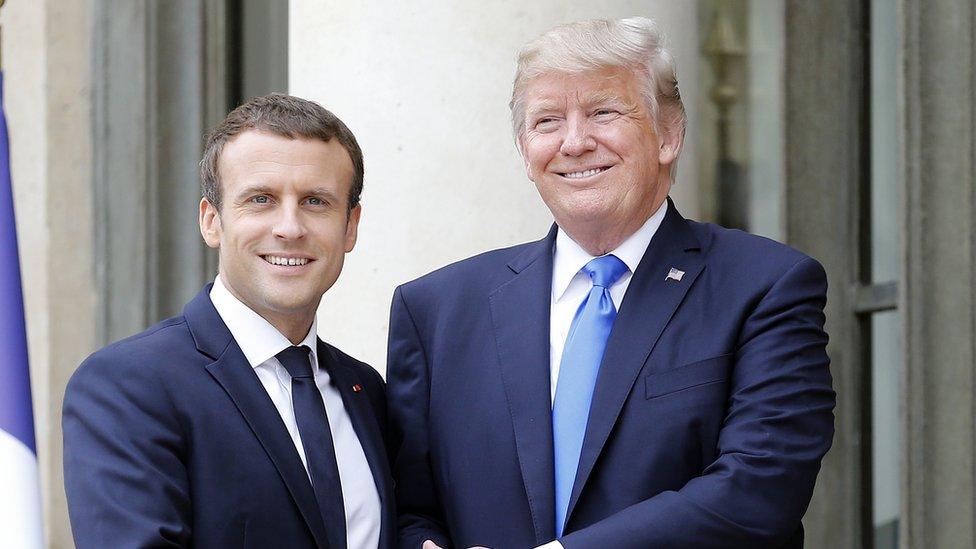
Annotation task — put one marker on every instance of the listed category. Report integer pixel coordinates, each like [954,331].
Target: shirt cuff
[551,545]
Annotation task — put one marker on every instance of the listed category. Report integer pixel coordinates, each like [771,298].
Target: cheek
[244,229]
[625,143]
[639,155]
[539,151]
[333,235]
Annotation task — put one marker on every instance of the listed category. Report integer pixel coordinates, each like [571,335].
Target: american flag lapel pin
[675,275]
[357,388]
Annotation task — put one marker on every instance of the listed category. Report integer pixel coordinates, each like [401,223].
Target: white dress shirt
[570,286]
[260,342]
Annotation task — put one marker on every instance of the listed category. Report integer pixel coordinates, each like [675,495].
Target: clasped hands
[431,545]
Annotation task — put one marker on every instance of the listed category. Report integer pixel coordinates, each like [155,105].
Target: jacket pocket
[702,372]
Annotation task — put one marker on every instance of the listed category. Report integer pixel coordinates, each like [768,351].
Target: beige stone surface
[425,87]
[47,101]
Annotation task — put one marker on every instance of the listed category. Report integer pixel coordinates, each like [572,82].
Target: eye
[606,113]
[260,199]
[546,123]
[315,201]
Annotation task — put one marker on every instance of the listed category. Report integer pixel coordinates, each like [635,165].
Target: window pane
[886,359]
[741,122]
[884,140]
[766,98]
[263,47]
[886,363]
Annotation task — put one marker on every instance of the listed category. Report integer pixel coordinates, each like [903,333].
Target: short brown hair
[287,116]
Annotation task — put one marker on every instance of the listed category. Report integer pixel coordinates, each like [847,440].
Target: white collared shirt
[260,342]
[570,285]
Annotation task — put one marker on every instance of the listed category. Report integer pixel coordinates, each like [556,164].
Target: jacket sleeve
[123,448]
[408,388]
[777,429]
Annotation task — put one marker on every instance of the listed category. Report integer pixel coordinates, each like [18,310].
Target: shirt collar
[257,338]
[570,257]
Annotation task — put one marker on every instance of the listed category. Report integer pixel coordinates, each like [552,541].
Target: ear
[671,141]
[352,227]
[210,223]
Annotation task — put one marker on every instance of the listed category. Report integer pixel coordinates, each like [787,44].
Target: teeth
[285,261]
[580,175]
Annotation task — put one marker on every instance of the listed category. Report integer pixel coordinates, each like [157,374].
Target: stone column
[46,56]
[826,129]
[939,290]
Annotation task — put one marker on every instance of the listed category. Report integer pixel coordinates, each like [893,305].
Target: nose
[288,224]
[578,139]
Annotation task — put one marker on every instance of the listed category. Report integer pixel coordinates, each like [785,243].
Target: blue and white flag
[20,495]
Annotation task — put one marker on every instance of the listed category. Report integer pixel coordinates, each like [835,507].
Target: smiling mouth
[585,173]
[286,261]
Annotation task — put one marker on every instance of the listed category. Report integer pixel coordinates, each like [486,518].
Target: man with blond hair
[633,379]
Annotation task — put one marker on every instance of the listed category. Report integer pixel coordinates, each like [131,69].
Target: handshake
[431,545]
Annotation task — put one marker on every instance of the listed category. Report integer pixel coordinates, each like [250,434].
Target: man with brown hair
[233,425]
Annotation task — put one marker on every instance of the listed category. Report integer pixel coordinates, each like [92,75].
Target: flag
[20,495]
[675,274]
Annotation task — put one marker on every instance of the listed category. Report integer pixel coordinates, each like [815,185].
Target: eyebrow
[591,99]
[253,189]
[265,189]
[542,106]
[324,193]
[603,96]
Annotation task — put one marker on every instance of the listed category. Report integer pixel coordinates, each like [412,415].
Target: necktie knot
[605,270]
[295,360]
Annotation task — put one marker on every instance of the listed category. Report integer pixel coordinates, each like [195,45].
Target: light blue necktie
[578,369]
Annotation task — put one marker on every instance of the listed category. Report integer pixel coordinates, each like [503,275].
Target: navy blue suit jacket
[710,416]
[170,440]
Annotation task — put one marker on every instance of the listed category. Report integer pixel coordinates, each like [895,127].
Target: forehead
[556,89]
[257,156]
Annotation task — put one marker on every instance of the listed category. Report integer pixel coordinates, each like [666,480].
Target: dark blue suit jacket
[170,440]
[710,415]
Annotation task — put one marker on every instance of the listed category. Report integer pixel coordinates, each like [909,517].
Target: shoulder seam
[420,341]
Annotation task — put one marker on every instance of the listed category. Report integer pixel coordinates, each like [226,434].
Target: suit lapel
[231,370]
[520,319]
[365,423]
[651,300]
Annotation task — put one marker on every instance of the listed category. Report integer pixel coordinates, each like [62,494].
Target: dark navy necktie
[578,369]
[313,426]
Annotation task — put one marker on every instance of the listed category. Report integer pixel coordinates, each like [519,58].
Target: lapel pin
[675,274]
[357,388]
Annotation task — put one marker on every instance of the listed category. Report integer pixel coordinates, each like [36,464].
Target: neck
[598,237]
[293,326]
[597,242]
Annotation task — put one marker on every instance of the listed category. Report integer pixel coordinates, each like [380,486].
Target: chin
[586,214]
[287,303]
